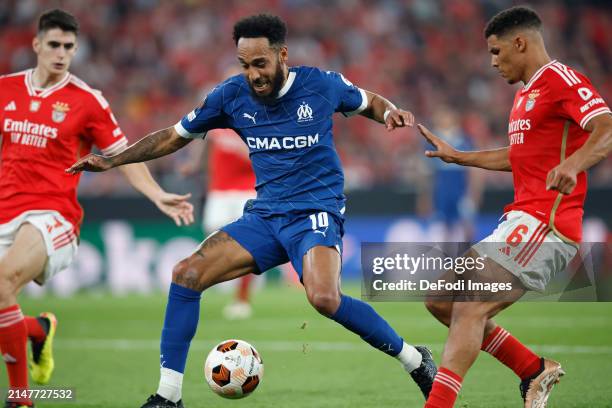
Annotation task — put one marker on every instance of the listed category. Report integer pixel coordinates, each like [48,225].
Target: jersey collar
[287,86]
[43,93]
[537,75]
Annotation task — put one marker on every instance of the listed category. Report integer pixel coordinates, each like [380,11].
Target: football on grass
[233,369]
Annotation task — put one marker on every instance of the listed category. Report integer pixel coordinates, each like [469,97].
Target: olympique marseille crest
[532,99]
[59,111]
[304,113]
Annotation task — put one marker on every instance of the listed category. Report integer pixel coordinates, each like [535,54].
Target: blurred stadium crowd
[155,59]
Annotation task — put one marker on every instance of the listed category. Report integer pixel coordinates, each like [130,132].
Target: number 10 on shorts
[319,220]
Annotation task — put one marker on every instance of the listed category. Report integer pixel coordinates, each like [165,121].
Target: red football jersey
[229,166]
[44,131]
[546,126]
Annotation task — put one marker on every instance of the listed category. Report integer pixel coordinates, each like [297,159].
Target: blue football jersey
[290,142]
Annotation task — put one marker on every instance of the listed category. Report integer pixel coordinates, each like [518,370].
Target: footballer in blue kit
[300,200]
[284,115]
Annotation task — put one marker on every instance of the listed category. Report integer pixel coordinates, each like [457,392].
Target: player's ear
[283,54]
[36,44]
[520,43]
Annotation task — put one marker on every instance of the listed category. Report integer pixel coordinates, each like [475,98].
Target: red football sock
[13,341]
[512,353]
[243,288]
[445,388]
[35,330]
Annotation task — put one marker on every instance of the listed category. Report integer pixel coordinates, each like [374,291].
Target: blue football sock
[362,319]
[180,324]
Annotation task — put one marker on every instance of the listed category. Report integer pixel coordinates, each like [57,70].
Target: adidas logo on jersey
[11,106]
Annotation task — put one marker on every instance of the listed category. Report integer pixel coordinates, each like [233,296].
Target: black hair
[57,18]
[510,19]
[261,25]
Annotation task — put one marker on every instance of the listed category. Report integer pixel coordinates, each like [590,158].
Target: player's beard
[276,84]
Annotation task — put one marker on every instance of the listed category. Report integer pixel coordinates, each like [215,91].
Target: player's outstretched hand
[443,150]
[176,207]
[398,118]
[91,162]
[561,178]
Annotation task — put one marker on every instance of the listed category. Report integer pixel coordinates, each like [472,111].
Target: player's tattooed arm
[563,178]
[496,159]
[152,146]
[383,111]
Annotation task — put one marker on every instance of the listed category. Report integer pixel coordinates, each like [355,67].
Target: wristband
[387,112]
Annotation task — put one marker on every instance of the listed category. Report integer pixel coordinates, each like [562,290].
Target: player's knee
[187,275]
[325,302]
[472,311]
[440,310]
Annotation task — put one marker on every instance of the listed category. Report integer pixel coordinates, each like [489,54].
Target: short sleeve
[209,115]
[350,100]
[104,129]
[4,96]
[580,101]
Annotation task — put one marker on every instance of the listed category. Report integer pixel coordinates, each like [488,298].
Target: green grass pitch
[107,350]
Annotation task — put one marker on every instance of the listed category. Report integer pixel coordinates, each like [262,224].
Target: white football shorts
[223,207]
[58,234]
[528,249]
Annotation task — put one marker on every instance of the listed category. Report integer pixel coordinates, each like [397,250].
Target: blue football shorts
[273,240]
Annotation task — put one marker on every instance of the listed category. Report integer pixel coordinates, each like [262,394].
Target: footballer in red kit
[48,119]
[44,131]
[547,125]
[559,127]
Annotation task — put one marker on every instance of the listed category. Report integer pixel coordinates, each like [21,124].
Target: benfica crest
[532,99]
[59,111]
